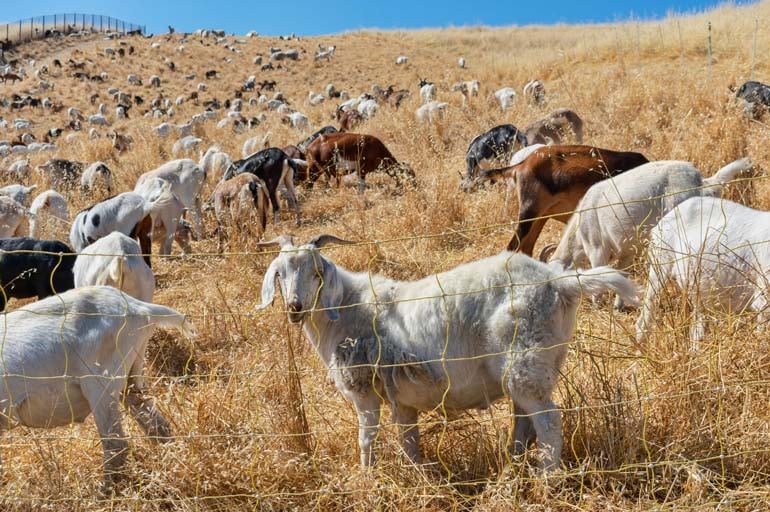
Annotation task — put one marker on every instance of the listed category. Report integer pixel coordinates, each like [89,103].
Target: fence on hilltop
[61,25]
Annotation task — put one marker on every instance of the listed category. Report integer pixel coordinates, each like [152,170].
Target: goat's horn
[281,241]
[321,240]
[546,252]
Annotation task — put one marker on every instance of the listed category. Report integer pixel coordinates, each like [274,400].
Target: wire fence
[660,467]
[63,25]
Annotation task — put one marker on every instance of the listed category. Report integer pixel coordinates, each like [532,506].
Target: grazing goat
[187,180]
[467,89]
[615,216]
[255,144]
[128,213]
[348,119]
[214,163]
[273,167]
[95,174]
[551,181]
[553,128]
[717,254]
[509,318]
[166,214]
[115,260]
[756,97]
[431,112]
[337,154]
[49,209]
[79,353]
[34,268]
[61,174]
[18,193]
[14,218]
[534,91]
[241,195]
[505,97]
[492,147]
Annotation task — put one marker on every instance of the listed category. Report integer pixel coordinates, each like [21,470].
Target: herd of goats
[494,327]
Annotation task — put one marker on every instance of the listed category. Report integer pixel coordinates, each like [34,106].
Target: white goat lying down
[614,218]
[57,369]
[462,339]
[115,260]
[715,251]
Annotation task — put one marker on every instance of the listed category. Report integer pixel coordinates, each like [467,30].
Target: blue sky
[305,17]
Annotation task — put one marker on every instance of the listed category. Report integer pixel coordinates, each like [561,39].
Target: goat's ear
[268,286]
[331,292]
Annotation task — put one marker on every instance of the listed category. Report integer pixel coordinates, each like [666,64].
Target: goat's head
[307,279]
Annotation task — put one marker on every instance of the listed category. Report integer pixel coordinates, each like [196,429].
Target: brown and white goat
[551,181]
[243,195]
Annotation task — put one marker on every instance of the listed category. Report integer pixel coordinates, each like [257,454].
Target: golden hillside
[258,424]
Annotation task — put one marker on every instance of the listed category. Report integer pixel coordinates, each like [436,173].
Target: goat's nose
[295,306]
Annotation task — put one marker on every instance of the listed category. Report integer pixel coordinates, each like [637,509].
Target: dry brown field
[259,426]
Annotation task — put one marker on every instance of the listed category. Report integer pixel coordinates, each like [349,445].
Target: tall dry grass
[258,425]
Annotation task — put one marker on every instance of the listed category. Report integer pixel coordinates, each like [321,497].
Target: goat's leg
[524,433]
[142,409]
[546,420]
[107,416]
[656,278]
[368,409]
[197,216]
[288,180]
[406,419]
[272,193]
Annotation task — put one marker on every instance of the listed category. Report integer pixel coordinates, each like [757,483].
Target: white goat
[428,93]
[505,97]
[83,352]
[14,218]
[18,193]
[187,181]
[166,213]
[509,319]
[95,174]
[367,108]
[254,144]
[115,260]
[214,163]
[401,59]
[20,168]
[615,217]
[431,111]
[717,253]
[185,146]
[299,121]
[99,120]
[48,209]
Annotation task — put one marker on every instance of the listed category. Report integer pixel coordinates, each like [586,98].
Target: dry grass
[259,426]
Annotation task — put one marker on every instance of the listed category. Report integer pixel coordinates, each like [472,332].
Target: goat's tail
[727,173]
[168,318]
[571,284]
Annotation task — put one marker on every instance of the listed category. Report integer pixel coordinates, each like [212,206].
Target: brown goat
[336,154]
[348,119]
[551,181]
[552,128]
[239,194]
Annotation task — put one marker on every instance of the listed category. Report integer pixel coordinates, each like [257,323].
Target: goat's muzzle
[296,314]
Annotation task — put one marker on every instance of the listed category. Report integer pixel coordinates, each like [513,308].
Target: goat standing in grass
[457,340]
